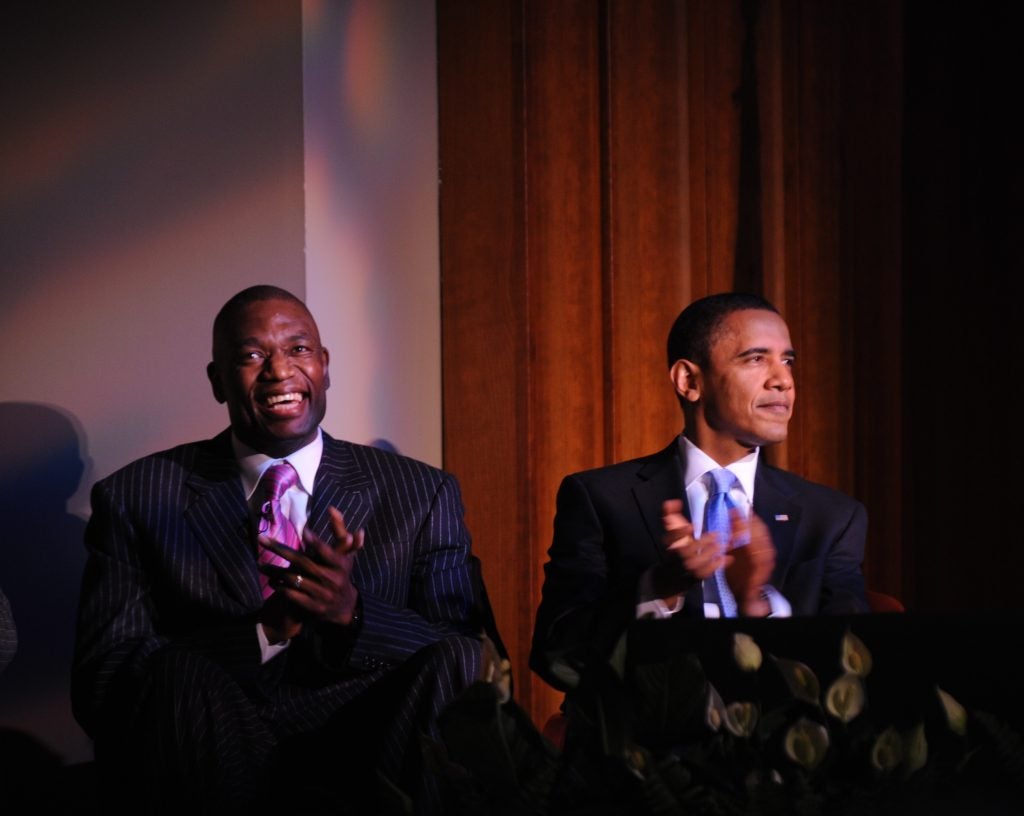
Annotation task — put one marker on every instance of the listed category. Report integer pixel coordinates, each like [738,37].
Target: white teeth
[275,399]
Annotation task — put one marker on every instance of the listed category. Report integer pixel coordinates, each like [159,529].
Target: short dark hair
[693,332]
[246,297]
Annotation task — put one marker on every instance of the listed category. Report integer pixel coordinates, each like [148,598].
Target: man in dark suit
[205,689]
[630,539]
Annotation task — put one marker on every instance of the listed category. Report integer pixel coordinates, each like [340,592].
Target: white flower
[746,652]
[806,743]
[887,752]
[714,714]
[741,719]
[956,715]
[844,699]
[802,681]
[916,747]
[856,658]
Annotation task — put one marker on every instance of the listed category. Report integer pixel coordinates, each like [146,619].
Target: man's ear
[215,384]
[685,376]
[327,373]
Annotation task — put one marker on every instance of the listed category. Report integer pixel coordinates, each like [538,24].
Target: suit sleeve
[586,603]
[842,590]
[439,599]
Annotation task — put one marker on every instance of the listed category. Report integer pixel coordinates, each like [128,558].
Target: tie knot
[279,478]
[722,480]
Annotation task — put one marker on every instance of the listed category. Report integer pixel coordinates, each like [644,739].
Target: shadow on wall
[43,557]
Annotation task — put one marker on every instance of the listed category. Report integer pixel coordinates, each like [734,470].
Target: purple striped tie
[273,523]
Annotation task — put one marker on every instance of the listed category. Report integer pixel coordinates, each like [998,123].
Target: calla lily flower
[714,714]
[845,698]
[746,652]
[916,746]
[741,719]
[887,752]
[856,659]
[806,743]
[802,681]
[956,715]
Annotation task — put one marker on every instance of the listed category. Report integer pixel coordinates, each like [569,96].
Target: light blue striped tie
[716,519]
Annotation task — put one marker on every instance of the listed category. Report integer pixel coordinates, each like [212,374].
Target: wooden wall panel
[813,304]
[648,267]
[565,391]
[871,253]
[484,299]
[714,34]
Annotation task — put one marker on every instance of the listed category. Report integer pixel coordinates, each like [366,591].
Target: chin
[768,436]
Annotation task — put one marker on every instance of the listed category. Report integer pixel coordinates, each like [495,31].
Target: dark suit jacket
[608,532]
[171,559]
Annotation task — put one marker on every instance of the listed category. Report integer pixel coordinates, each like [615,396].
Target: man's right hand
[690,560]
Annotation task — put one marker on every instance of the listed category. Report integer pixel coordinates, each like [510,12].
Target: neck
[723,451]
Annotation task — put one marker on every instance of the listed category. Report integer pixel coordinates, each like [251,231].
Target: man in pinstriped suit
[200,694]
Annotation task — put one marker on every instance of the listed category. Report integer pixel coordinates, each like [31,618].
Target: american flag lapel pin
[781,517]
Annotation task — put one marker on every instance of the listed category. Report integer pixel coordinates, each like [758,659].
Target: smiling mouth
[284,404]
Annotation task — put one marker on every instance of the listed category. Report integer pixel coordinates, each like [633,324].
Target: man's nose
[781,377]
[278,365]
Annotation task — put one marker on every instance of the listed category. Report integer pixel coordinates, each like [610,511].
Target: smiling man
[271,618]
[704,527]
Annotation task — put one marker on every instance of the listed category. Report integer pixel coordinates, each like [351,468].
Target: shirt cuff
[648,606]
[779,605]
[268,650]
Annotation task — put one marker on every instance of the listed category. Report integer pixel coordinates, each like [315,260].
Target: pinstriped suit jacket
[608,532]
[171,558]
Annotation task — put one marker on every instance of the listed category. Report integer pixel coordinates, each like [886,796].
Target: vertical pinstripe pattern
[171,562]
[8,633]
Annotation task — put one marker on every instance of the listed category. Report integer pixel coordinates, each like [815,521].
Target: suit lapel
[340,482]
[218,517]
[661,478]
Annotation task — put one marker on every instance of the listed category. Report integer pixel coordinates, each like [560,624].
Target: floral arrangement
[764,735]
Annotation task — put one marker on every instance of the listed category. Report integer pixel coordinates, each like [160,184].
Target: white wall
[372,258]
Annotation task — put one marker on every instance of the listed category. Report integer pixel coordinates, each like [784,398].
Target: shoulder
[173,464]
[805,491]
[621,476]
[378,463]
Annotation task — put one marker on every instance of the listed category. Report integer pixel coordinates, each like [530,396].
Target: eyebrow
[760,350]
